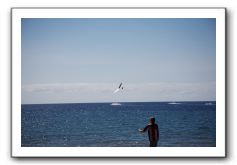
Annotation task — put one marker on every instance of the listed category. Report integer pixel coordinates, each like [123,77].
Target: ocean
[181,124]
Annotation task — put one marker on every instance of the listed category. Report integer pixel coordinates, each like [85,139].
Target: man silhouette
[153,132]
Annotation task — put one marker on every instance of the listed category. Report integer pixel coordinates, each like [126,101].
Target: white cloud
[65,87]
[103,92]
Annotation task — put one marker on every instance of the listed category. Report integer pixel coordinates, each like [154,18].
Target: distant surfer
[153,132]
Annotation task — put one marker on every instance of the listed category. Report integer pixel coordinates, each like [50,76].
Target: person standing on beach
[153,132]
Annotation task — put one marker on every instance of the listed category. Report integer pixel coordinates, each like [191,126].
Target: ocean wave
[209,104]
[115,104]
[174,103]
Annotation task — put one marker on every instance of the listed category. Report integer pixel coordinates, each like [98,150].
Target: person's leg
[153,143]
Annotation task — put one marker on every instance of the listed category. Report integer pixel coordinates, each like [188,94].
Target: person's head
[152,120]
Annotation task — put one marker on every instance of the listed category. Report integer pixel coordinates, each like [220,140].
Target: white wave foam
[209,104]
[115,104]
[174,103]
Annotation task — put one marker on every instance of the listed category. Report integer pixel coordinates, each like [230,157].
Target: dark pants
[153,143]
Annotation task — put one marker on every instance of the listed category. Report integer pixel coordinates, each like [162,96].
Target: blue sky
[83,60]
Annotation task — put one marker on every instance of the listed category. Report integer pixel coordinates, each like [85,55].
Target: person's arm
[143,129]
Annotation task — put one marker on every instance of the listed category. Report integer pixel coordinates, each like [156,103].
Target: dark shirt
[153,132]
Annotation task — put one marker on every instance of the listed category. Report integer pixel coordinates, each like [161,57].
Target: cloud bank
[103,92]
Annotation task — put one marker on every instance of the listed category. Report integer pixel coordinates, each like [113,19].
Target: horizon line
[118,102]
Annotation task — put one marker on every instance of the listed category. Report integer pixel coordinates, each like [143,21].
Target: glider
[119,88]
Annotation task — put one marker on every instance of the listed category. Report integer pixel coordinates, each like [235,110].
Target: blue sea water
[183,124]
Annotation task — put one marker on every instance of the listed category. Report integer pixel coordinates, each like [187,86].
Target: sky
[85,59]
